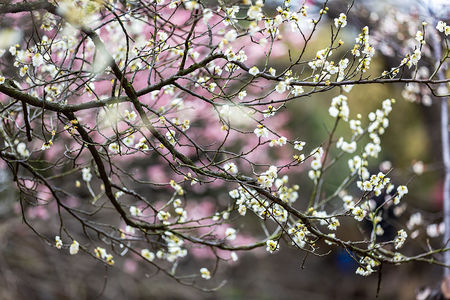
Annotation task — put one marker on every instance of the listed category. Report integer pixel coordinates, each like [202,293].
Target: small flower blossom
[148,255]
[205,273]
[402,190]
[298,145]
[101,253]
[281,87]
[74,247]
[46,145]
[142,145]
[129,116]
[316,164]
[255,12]
[270,111]
[163,215]
[135,212]
[443,27]
[176,187]
[233,256]
[297,90]
[419,37]
[341,21]
[170,135]
[379,230]
[207,15]
[234,194]
[86,174]
[230,234]
[254,71]
[22,150]
[278,142]
[37,60]
[339,107]
[114,148]
[272,246]
[242,95]
[58,242]
[23,71]
[358,213]
[400,239]
[13,50]
[267,178]
[333,223]
[261,131]
[231,168]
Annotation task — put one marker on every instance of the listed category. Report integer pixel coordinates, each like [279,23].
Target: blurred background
[30,269]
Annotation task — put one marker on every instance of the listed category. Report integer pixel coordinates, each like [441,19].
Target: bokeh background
[30,269]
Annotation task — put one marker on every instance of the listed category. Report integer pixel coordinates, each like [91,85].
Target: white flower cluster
[400,239]
[267,178]
[285,193]
[375,183]
[355,126]
[434,230]
[174,250]
[320,59]
[278,142]
[339,108]
[363,47]
[255,11]
[443,27]
[345,146]
[102,254]
[298,233]
[179,211]
[230,67]
[366,266]
[316,164]
[135,211]
[358,164]
[230,15]
[247,198]
[402,190]
[412,59]
[177,187]
[164,216]
[341,21]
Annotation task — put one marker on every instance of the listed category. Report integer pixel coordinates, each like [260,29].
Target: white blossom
[205,273]
[74,247]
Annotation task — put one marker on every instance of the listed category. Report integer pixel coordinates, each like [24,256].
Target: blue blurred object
[344,262]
